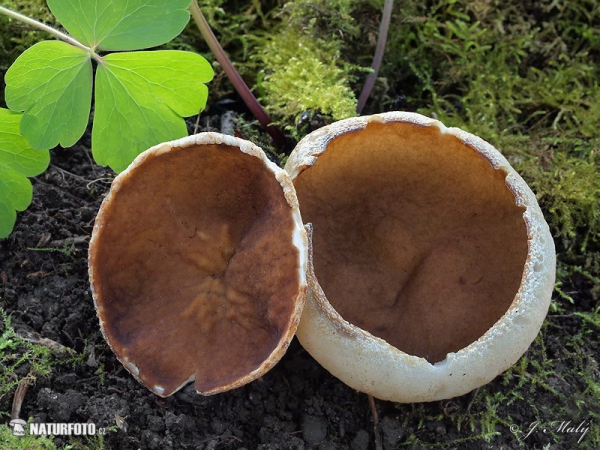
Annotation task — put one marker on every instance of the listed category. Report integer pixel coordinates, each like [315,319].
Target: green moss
[21,360]
[305,76]
[327,20]
[16,353]
[306,64]
[30,360]
[239,25]
[568,189]
[496,60]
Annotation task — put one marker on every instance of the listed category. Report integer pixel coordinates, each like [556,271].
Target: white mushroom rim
[370,364]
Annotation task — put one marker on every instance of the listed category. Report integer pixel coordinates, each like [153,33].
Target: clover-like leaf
[52,83]
[141,98]
[17,162]
[122,24]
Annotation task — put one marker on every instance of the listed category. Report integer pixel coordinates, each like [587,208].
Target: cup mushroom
[433,266]
[197,264]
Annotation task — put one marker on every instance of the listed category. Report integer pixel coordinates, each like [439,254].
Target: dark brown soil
[297,405]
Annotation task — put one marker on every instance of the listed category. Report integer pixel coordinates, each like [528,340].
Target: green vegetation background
[523,75]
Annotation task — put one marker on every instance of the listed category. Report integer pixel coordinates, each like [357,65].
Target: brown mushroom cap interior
[417,239]
[194,268]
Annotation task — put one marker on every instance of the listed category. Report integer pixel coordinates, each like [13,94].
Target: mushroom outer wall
[411,371]
[197,264]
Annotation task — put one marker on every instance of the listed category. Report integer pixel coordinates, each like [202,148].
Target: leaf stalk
[42,26]
[378,57]
[234,76]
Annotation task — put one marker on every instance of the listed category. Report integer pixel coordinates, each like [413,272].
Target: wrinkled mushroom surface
[424,239]
[197,264]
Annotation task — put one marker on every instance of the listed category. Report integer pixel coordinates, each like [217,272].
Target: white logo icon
[18,427]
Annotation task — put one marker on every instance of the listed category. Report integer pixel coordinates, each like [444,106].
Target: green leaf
[8,217]
[141,98]
[52,83]
[17,162]
[122,24]
[15,189]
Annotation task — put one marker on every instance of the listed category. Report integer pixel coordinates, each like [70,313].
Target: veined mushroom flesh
[197,264]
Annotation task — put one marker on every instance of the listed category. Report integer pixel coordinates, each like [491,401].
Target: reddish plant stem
[18,398]
[378,443]
[379,50]
[238,83]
